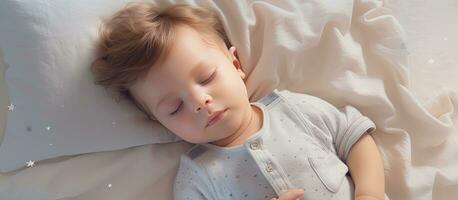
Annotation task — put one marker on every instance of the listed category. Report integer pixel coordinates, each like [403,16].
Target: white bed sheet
[432,39]
[147,172]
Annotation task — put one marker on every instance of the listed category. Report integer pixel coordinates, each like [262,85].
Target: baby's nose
[201,106]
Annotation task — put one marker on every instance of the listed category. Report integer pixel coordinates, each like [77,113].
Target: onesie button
[269,168]
[254,145]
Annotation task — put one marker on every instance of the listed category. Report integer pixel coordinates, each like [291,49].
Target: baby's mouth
[215,117]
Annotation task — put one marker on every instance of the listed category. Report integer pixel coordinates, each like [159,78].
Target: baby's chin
[203,140]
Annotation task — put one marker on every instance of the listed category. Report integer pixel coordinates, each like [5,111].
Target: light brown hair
[139,36]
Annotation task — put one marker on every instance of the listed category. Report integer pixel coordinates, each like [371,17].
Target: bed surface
[432,40]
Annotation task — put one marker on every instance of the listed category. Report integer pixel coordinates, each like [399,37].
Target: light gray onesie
[302,143]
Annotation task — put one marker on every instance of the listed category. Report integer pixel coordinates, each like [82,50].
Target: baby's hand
[292,194]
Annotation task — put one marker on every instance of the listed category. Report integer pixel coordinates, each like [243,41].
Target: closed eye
[205,82]
[178,109]
[210,78]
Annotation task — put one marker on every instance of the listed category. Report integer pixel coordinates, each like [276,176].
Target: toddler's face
[194,81]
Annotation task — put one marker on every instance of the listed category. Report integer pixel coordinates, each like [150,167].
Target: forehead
[188,53]
[186,60]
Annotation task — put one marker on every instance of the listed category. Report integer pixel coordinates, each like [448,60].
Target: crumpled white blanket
[355,54]
[344,51]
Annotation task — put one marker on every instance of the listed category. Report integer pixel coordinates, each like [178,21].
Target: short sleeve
[344,126]
[191,183]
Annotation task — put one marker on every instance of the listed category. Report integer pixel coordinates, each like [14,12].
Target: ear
[236,62]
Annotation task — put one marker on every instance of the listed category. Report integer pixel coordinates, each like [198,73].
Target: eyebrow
[196,68]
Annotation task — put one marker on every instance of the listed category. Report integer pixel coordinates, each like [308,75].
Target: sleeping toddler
[177,66]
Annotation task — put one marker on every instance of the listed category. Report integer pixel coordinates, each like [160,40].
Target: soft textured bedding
[353,52]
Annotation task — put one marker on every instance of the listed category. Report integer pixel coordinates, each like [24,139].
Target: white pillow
[47,48]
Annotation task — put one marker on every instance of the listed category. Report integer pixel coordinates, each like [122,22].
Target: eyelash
[205,82]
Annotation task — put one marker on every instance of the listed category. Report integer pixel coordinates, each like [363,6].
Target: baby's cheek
[188,132]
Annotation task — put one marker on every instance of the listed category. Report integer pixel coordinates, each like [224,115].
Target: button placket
[274,174]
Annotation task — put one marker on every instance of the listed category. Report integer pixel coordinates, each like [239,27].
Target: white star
[445,38]
[48,128]
[109,185]
[114,123]
[431,61]
[11,107]
[30,163]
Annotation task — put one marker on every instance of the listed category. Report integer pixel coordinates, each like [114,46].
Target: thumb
[292,194]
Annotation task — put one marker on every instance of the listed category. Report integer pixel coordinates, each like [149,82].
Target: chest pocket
[329,169]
